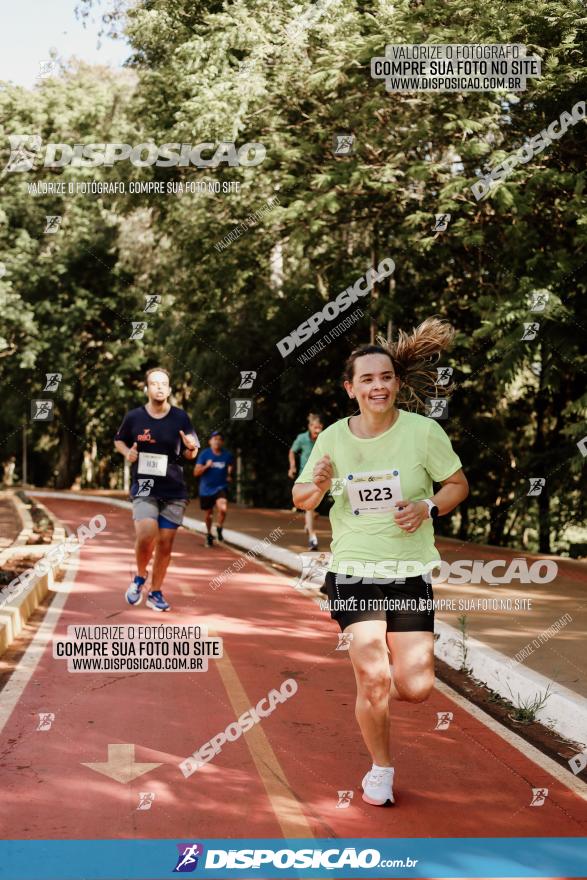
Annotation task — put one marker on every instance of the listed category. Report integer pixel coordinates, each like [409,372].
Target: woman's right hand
[323,473]
[132,454]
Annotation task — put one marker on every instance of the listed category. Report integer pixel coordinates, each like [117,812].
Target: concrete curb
[565,712]
[27,525]
[15,613]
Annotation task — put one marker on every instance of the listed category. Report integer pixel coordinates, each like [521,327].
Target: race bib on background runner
[152,463]
[374,491]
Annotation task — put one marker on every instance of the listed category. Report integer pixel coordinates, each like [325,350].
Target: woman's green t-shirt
[413,453]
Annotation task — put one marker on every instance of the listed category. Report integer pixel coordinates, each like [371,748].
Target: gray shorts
[168,512]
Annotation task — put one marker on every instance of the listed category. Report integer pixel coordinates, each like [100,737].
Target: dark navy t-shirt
[215,478]
[157,437]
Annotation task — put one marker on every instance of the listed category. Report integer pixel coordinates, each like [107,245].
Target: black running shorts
[407,606]
[207,502]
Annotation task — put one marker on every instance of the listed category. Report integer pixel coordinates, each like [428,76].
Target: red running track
[284,775]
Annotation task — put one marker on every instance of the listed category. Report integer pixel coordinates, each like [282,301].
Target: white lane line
[565,777]
[13,690]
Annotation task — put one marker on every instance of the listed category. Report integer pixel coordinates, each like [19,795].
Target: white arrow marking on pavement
[121,764]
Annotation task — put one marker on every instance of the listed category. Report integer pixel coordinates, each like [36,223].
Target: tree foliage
[291,76]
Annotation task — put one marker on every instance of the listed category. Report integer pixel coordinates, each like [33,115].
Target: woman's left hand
[411,516]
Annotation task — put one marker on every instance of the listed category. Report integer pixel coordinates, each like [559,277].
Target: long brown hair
[414,357]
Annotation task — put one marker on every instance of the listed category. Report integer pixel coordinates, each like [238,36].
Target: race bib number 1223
[374,491]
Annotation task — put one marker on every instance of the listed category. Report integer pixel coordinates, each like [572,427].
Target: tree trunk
[70,445]
[463,534]
[539,458]
[375,290]
[497,518]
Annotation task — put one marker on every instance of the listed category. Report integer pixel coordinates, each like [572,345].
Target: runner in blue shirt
[214,468]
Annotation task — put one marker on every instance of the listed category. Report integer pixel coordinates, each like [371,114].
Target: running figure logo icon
[343,144]
[436,408]
[530,331]
[145,487]
[52,223]
[344,641]
[337,486]
[247,378]
[538,300]
[152,302]
[52,381]
[146,799]
[539,795]
[344,800]
[138,329]
[46,68]
[241,409]
[23,151]
[443,720]
[537,484]
[443,375]
[441,222]
[42,410]
[314,570]
[187,860]
[46,719]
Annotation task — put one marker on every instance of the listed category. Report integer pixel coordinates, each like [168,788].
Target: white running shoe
[134,594]
[378,787]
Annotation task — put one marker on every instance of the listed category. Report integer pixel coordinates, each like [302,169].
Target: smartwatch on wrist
[432,508]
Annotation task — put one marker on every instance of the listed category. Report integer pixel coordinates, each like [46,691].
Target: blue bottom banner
[462,857]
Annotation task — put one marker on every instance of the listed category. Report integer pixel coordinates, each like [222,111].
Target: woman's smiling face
[375,385]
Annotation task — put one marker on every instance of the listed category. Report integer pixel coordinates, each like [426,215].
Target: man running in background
[303,444]
[214,468]
[155,438]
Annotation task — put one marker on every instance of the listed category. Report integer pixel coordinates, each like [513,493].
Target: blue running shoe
[134,595]
[156,601]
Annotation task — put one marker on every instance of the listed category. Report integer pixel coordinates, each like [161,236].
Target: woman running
[384,461]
